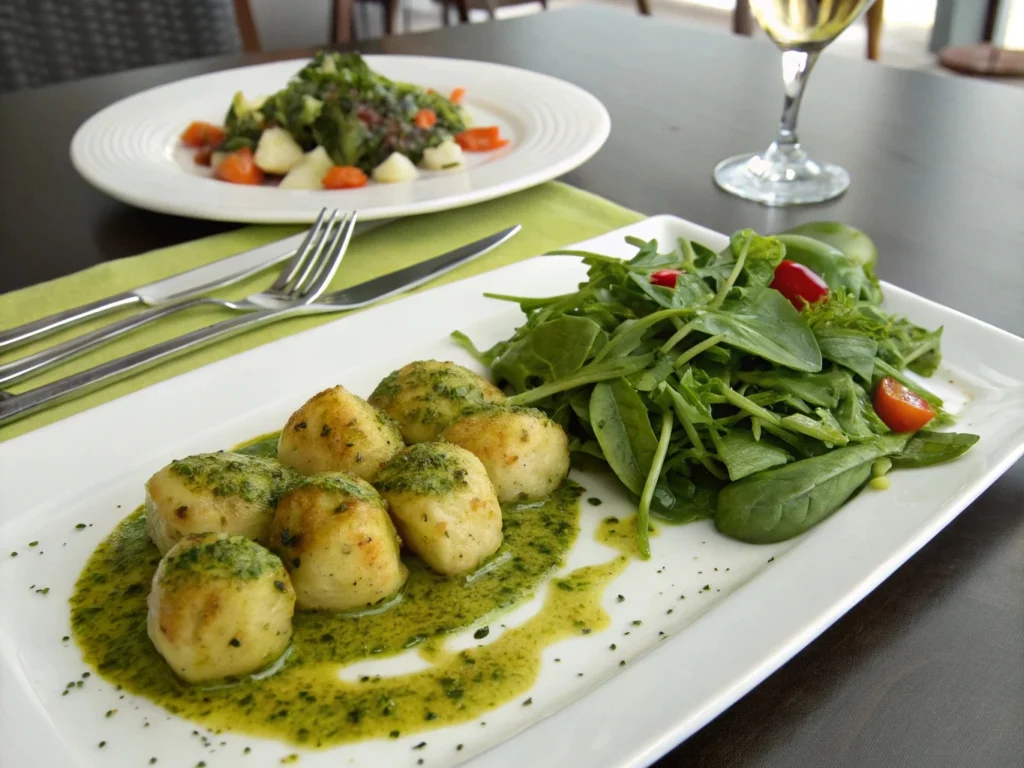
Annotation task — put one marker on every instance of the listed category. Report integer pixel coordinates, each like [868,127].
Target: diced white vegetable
[277,151]
[444,156]
[396,168]
[309,172]
[216,158]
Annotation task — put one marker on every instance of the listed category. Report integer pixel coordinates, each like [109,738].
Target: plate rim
[182,207]
[649,737]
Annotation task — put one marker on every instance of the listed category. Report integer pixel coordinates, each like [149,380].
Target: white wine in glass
[784,174]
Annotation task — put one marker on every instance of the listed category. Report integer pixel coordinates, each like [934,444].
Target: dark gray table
[929,669]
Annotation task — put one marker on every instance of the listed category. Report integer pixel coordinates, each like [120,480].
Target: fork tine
[310,266]
[302,253]
[336,252]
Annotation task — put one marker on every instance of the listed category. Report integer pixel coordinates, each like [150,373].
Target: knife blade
[410,277]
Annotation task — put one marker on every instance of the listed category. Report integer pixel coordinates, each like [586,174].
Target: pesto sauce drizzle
[306,702]
[621,535]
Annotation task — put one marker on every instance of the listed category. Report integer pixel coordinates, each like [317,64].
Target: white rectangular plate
[688,659]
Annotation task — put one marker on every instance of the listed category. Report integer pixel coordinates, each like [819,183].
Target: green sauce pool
[305,701]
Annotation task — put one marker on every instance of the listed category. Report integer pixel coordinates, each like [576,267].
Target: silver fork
[292,288]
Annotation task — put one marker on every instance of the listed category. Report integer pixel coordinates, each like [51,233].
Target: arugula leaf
[761,321]
[781,503]
[927,448]
[623,429]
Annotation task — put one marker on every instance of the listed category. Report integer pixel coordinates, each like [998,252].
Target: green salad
[359,116]
[762,386]
[336,125]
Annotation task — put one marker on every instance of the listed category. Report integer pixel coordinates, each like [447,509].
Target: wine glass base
[780,178]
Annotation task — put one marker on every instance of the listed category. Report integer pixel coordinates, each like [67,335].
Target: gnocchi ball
[338,543]
[337,431]
[426,396]
[213,492]
[443,505]
[526,454]
[221,606]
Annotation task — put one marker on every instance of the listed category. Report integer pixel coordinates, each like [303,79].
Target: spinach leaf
[849,349]
[927,448]
[551,351]
[743,455]
[678,499]
[781,503]
[761,321]
[623,429]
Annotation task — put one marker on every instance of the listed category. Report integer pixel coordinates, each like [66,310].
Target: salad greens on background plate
[689,630]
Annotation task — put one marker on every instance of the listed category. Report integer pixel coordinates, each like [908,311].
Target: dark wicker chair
[50,41]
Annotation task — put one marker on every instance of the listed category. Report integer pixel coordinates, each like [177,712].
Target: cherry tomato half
[902,409]
[666,277]
[799,284]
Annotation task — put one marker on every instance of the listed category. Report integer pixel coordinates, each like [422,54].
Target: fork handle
[16,370]
[13,406]
[44,326]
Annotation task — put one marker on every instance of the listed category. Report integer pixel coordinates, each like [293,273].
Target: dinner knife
[361,295]
[195,282]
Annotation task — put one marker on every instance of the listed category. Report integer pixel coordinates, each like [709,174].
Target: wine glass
[784,174]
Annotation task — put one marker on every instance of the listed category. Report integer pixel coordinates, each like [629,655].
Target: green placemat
[553,215]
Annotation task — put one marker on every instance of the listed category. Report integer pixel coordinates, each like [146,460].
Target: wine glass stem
[796,68]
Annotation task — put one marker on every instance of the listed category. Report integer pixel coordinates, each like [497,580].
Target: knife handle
[13,406]
[36,363]
[22,334]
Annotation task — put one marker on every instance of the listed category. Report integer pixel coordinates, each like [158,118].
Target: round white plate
[131,151]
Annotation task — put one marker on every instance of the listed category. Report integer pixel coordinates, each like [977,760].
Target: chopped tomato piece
[798,284]
[666,277]
[457,94]
[344,177]
[203,155]
[200,134]
[240,168]
[368,115]
[902,409]
[481,139]
[425,118]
